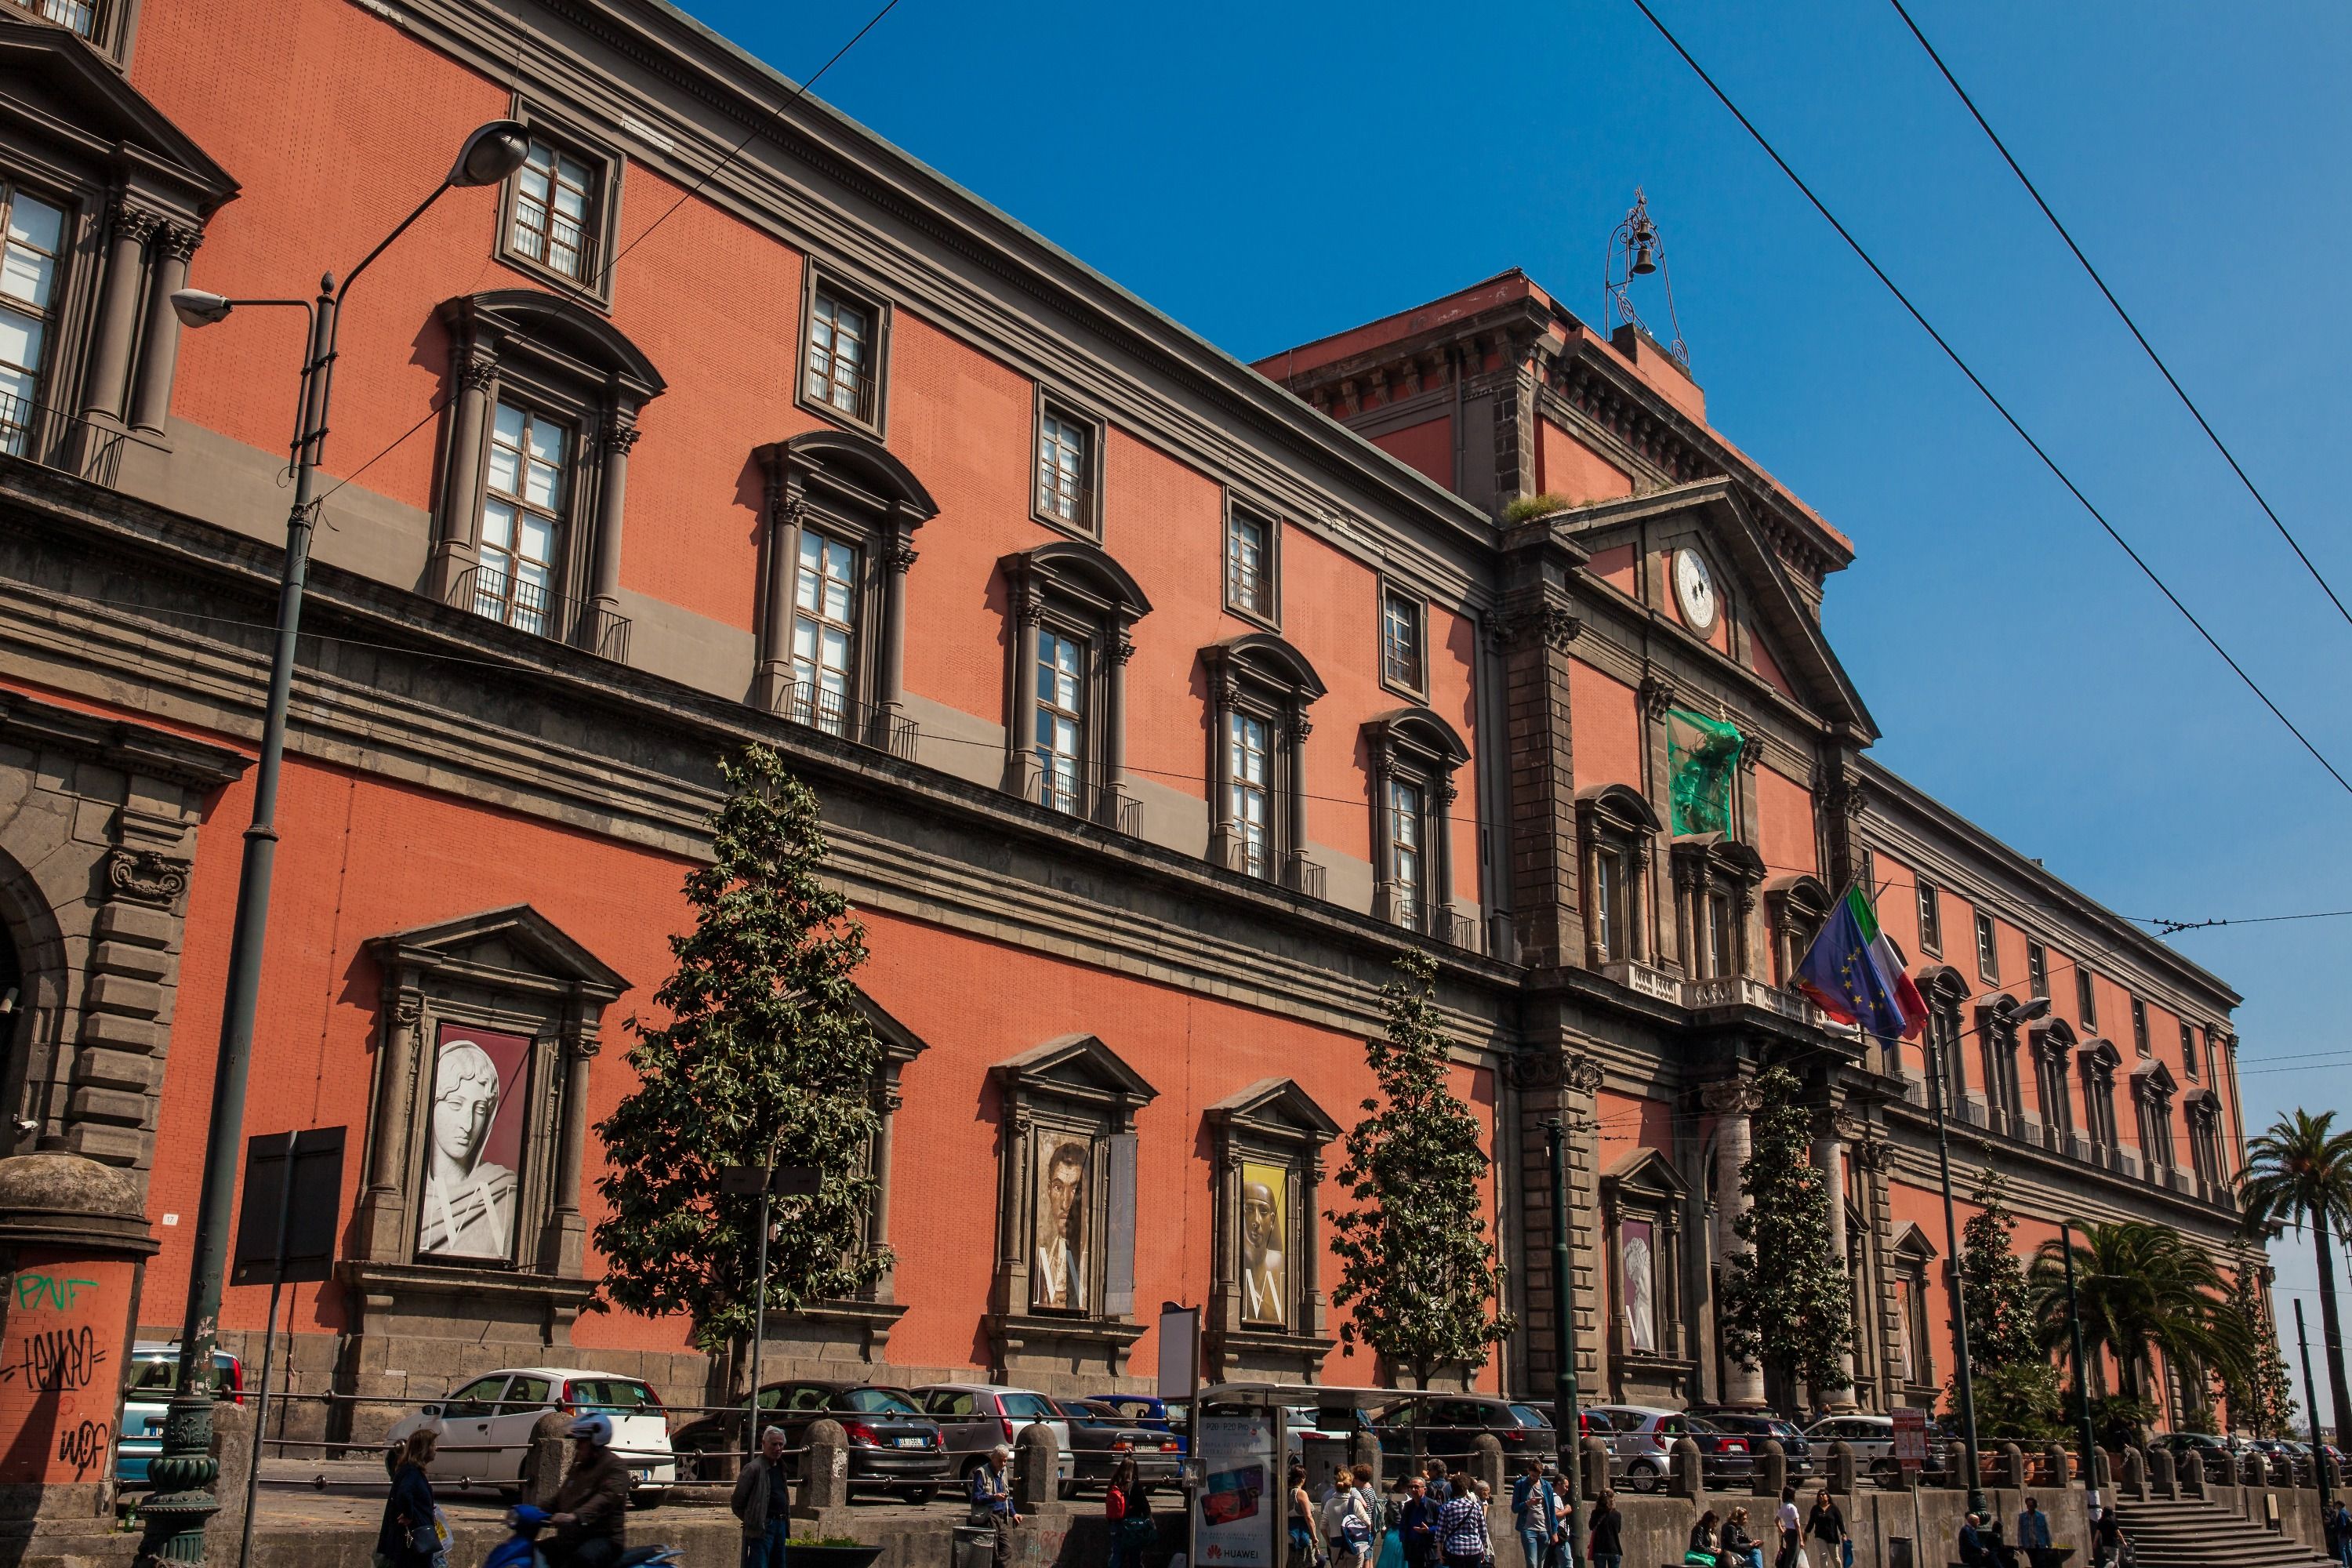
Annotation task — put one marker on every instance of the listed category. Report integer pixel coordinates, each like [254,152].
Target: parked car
[1871,1437]
[1173,1417]
[154,1374]
[1756,1427]
[1101,1436]
[893,1445]
[2215,1454]
[1644,1438]
[1448,1427]
[974,1417]
[486,1428]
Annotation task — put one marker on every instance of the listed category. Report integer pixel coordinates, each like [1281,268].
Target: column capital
[132,223]
[1730,1097]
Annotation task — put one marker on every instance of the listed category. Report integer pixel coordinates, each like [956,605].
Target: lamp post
[1563,1336]
[2082,1376]
[183,1473]
[2024,1013]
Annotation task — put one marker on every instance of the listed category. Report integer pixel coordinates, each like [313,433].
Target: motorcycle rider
[592,1506]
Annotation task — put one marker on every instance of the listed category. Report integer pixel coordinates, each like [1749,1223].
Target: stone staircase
[2192,1533]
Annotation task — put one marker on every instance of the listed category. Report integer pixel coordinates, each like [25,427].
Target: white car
[485,1426]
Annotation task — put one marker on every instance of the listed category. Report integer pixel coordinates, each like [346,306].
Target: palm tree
[2299,1173]
[2142,1290]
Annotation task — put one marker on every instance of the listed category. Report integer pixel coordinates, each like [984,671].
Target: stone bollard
[2248,1469]
[2103,1471]
[1036,1467]
[1688,1479]
[1771,1472]
[2160,1473]
[1595,1479]
[233,1451]
[1486,1465]
[1842,1468]
[1364,1448]
[825,1469]
[2012,1468]
[542,1462]
[2189,1476]
[2135,1481]
[2053,1458]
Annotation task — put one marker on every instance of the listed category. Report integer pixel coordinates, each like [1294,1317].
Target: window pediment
[2153,1081]
[1721,855]
[2054,1039]
[1618,808]
[1646,1174]
[1942,985]
[1268,661]
[1912,1244]
[1079,1068]
[1418,735]
[1274,1110]
[2101,1054]
[855,468]
[577,342]
[68,95]
[516,945]
[1073,569]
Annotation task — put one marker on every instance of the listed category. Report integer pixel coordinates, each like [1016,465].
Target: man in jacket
[2033,1532]
[991,1501]
[592,1506]
[760,1494]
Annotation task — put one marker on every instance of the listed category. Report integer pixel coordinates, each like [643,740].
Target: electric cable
[1990,397]
[2141,337]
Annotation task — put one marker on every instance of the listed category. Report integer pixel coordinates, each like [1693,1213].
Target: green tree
[1417,1271]
[2142,1290]
[765,1056]
[2298,1173]
[2014,1382]
[1787,1305]
[2265,1398]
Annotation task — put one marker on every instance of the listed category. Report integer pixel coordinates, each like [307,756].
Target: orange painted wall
[1567,467]
[1632,1121]
[362,857]
[1784,823]
[1768,667]
[1615,566]
[1607,728]
[1428,446]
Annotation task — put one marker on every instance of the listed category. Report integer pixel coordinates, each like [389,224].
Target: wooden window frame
[822,281]
[1089,523]
[1392,591]
[1988,937]
[602,231]
[2141,1045]
[1268,613]
[1415,747]
[1261,677]
[2189,1051]
[2037,969]
[1716,874]
[2086,999]
[1615,820]
[1929,909]
[1073,589]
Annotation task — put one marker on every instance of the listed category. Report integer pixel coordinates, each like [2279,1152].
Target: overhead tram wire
[604,276]
[1990,397]
[2141,337]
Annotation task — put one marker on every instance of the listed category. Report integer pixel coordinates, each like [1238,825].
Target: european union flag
[1853,974]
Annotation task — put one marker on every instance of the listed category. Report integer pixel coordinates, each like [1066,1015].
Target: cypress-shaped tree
[1787,1304]
[2263,1399]
[765,1059]
[1417,1271]
[2015,1382]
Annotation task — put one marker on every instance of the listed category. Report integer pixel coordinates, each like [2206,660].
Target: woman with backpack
[1132,1532]
[410,1535]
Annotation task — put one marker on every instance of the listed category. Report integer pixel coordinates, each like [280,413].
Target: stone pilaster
[1555,1081]
[1731,1101]
[1531,635]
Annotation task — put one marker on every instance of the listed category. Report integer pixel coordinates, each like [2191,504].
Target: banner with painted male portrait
[1265,1250]
[473,1144]
[1061,1260]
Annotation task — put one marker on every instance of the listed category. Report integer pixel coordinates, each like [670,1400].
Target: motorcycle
[521,1549]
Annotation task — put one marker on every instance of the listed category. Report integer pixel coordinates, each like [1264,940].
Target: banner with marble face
[473,1144]
[1265,1251]
[1638,1257]
[1060,1265]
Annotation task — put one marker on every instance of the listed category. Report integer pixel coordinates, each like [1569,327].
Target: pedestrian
[1973,1551]
[1791,1533]
[1735,1548]
[1128,1508]
[991,1503]
[1605,1546]
[1417,1524]
[1534,1511]
[2342,1527]
[1305,1552]
[1462,1538]
[1826,1524]
[1700,1552]
[592,1506]
[1439,1489]
[2107,1537]
[410,1536]
[2033,1532]
[1347,1516]
[1563,1517]
[761,1501]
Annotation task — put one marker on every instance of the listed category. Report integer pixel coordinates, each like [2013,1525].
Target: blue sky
[1269,174]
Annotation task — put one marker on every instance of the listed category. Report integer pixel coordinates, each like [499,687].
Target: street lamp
[2082,1376]
[1563,1337]
[184,1472]
[2010,1017]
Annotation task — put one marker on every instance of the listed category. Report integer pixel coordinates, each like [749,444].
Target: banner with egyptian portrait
[473,1144]
[1061,1260]
[1265,1250]
[1638,1257]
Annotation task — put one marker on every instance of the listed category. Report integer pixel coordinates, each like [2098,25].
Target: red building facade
[1155,704]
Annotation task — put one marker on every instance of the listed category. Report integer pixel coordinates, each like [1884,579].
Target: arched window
[1413,755]
[2152,1090]
[2100,1059]
[1996,1046]
[1796,906]
[1259,690]
[2204,1110]
[842,513]
[536,465]
[1716,879]
[2052,1044]
[1074,607]
[1614,828]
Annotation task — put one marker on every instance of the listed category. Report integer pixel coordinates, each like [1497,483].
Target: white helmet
[595,1429]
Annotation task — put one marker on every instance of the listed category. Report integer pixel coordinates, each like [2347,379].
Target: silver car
[973,1418]
[1641,1439]
[1872,1438]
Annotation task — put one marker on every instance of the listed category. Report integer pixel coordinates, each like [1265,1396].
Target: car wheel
[1642,1475]
[1887,1473]
[1067,1489]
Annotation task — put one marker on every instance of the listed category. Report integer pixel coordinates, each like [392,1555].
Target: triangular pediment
[900,1043]
[1076,1067]
[1778,619]
[1275,1107]
[1646,1170]
[514,941]
[2155,1078]
[60,90]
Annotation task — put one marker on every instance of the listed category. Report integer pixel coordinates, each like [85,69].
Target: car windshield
[1529,1416]
[1029,1407]
[1701,1423]
[878,1402]
[614,1395]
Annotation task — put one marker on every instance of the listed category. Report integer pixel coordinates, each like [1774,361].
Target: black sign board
[784,1182]
[312,1211]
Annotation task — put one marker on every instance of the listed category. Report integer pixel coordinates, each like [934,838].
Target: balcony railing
[76,16]
[860,723]
[1443,923]
[1293,870]
[531,607]
[1084,795]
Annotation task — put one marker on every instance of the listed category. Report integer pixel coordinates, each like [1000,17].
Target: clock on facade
[1695,591]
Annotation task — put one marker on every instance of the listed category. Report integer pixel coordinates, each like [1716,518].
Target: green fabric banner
[1701,754]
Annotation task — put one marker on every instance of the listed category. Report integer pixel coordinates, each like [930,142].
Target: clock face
[1695,588]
